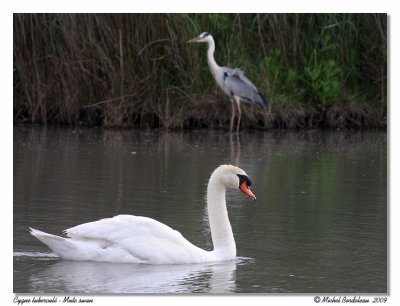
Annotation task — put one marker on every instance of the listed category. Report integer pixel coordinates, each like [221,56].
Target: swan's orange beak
[246,190]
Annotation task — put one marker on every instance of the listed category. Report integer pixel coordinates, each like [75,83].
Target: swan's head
[234,177]
[203,37]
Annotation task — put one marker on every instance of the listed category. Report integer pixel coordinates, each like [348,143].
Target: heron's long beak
[193,40]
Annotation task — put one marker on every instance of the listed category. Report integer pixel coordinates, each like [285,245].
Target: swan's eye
[244,178]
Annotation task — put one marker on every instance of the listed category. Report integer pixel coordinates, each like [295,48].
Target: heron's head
[203,37]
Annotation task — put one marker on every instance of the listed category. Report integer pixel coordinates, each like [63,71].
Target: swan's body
[133,239]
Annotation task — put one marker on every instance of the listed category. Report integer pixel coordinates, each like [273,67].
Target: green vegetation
[136,70]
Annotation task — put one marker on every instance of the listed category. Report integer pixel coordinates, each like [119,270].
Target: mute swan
[133,239]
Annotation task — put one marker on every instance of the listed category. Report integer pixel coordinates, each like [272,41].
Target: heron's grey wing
[240,74]
[239,85]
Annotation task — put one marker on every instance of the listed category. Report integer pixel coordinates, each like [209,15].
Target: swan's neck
[221,230]
[210,56]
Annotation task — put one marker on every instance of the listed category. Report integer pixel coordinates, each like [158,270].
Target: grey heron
[232,81]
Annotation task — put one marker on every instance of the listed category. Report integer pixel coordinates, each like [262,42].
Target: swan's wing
[239,85]
[142,237]
[124,227]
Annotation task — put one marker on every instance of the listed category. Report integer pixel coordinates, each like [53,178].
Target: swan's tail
[59,245]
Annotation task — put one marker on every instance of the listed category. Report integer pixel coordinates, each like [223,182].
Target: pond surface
[319,223]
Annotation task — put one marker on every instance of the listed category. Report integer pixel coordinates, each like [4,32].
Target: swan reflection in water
[100,277]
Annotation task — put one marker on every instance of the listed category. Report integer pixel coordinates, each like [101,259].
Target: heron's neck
[221,230]
[210,56]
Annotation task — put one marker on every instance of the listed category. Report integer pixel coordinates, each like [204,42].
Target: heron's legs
[239,114]
[232,115]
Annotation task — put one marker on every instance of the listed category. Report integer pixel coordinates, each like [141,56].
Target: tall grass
[125,70]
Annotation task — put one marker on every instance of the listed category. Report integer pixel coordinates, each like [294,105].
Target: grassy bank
[136,70]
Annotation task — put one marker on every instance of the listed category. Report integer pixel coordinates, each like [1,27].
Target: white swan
[133,239]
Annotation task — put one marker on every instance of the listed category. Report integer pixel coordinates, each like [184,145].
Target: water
[319,223]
